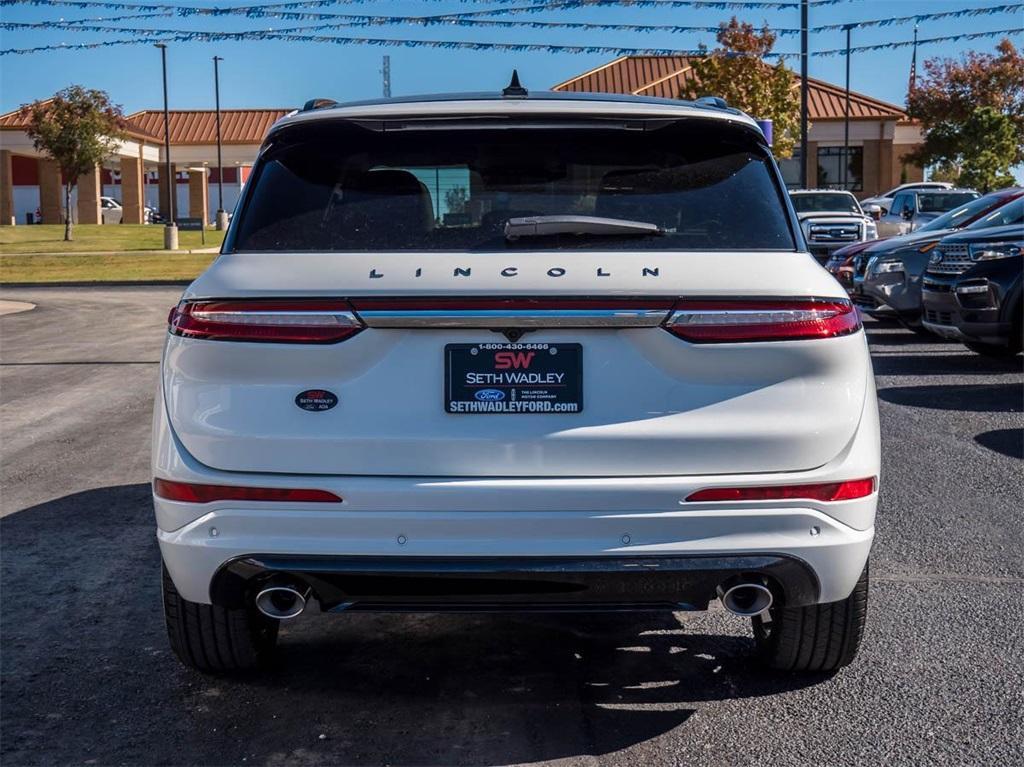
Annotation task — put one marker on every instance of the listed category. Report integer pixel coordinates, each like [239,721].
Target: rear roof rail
[312,104]
[712,101]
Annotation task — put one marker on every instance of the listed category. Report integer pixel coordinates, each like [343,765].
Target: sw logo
[515,360]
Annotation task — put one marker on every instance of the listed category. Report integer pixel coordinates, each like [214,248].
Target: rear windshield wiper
[541,226]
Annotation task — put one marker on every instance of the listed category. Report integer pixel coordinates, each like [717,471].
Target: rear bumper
[704,546]
[522,583]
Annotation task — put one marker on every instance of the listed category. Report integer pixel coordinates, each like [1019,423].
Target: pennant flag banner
[471,19]
[273,9]
[965,12]
[932,40]
[166,35]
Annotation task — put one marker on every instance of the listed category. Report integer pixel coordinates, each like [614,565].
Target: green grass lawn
[114,253]
[92,238]
[101,267]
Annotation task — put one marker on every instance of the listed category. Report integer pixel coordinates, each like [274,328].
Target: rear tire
[216,640]
[814,638]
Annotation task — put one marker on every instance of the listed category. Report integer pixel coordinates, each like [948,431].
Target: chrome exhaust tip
[746,599]
[282,602]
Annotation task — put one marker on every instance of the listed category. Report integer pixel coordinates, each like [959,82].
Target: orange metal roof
[199,126]
[664,76]
[16,120]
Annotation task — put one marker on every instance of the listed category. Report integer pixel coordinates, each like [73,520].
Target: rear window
[1011,213]
[958,216]
[825,202]
[936,202]
[344,187]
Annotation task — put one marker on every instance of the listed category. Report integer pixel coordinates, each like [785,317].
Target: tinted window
[825,201]
[961,214]
[939,202]
[1011,213]
[341,187]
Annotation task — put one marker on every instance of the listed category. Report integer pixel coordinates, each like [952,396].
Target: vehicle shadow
[973,398]
[1005,441]
[86,673]
[930,363]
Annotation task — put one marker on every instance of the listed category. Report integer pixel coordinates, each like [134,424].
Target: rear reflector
[187,492]
[828,491]
[765,320]
[276,321]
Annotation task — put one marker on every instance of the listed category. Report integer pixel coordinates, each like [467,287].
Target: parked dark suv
[888,275]
[972,288]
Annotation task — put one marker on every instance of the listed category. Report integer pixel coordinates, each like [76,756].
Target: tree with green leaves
[737,72]
[972,112]
[78,128]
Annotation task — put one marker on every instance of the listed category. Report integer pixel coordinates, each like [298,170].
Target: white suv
[510,352]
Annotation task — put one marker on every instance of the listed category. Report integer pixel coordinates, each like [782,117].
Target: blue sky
[284,74]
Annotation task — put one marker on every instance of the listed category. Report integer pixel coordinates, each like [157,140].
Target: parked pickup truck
[831,220]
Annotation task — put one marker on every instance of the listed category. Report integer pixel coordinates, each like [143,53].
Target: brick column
[6,189]
[165,209]
[811,182]
[51,192]
[198,194]
[871,181]
[89,191]
[133,194]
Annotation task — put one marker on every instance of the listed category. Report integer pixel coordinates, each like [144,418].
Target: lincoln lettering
[553,272]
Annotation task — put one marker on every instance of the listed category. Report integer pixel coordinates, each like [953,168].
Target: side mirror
[875,211]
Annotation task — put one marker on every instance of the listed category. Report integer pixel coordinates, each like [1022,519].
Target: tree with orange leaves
[736,71]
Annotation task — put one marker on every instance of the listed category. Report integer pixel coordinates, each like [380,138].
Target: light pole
[846,117]
[171,229]
[222,215]
[804,159]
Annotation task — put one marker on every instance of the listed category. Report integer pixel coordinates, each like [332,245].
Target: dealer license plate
[513,378]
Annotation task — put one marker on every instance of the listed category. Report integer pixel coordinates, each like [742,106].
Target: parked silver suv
[912,210]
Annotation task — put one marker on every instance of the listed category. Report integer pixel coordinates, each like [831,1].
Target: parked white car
[617,381]
[111,210]
[884,200]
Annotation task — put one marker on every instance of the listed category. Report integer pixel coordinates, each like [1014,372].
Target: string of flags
[473,19]
[918,18]
[165,35]
[361,20]
[468,19]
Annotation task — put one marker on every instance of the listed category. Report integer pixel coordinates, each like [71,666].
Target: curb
[121,284]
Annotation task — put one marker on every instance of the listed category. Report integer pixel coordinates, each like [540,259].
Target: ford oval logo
[489,395]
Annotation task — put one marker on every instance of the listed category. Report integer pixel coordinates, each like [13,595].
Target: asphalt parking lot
[87,676]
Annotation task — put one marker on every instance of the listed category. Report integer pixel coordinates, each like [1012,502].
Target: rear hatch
[370,316]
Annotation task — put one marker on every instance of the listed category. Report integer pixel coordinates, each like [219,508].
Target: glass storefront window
[830,168]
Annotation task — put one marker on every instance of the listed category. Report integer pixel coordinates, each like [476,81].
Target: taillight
[825,491]
[188,492]
[270,321]
[762,320]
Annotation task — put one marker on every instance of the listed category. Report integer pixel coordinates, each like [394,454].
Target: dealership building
[880,134]
[31,185]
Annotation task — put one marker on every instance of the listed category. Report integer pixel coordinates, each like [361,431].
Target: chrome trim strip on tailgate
[489,318]
[475,312]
